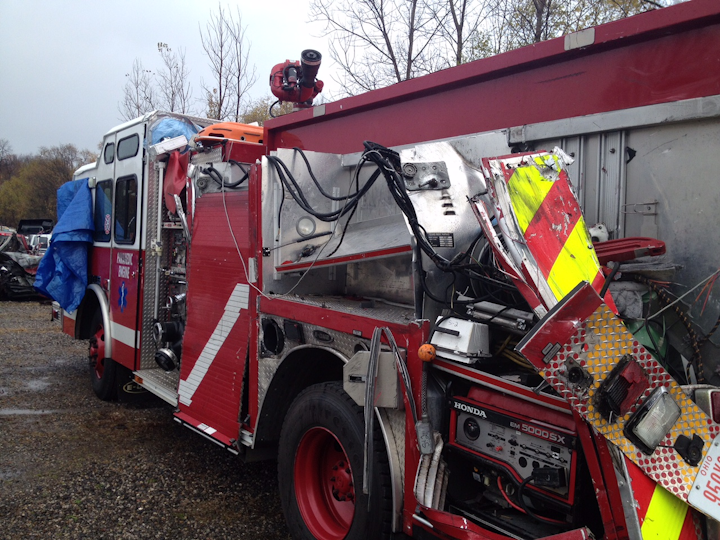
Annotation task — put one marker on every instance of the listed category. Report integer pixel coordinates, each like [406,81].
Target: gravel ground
[72,466]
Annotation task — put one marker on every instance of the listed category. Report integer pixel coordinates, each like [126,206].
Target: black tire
[102,370]
[323,425]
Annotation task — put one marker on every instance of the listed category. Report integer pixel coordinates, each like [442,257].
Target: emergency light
[649,425]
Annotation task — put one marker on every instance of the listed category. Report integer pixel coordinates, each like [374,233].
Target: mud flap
[578,348]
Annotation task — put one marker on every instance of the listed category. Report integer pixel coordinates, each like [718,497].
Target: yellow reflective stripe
[527,189]
[665,516]
[577,262]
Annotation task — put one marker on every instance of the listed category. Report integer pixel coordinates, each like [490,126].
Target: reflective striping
[123,334]
[665,516]
[238,301]
[542,224]
[207,429]
[528,190]
[576,262]
[553,227]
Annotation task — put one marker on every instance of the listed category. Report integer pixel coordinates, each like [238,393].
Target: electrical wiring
[237,248]
[356,176]
[317,184]
[530,512]
[291,185]
[270,110]
[213,173]
[242,179]
[664,296]
[387,163]
[507,498]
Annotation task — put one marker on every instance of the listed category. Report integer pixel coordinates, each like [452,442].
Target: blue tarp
[62,273]
[167,128]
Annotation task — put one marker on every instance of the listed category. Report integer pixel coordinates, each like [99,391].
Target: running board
[206,431]
[159,382]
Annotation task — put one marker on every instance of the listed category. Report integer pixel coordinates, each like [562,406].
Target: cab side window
[128,147]
[125,209]
[109,153]
[103,210]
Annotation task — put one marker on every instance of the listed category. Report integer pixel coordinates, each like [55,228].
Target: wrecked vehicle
[18,266]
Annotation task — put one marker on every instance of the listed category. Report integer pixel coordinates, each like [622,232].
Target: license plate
[705,492]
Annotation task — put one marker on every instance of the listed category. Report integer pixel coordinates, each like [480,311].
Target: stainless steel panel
[150,279]
[611,183]
[390,279]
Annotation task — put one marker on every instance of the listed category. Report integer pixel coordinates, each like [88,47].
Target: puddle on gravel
[9,475]
[25,412]
[37,384]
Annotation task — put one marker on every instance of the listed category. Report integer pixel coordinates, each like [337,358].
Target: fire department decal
[238,301]
[124,261]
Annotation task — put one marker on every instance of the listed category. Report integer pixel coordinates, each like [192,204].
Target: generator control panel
[508,440]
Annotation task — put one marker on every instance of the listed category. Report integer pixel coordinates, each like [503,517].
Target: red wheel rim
[97,352]
[324,486]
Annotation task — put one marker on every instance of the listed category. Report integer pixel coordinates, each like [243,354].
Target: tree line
[29,183]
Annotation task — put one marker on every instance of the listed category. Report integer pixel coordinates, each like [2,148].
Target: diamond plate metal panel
[394,421]
[150,278]
[266,371]
[211,156]
[597,346]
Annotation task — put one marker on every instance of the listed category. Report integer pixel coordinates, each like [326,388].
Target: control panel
[514,442]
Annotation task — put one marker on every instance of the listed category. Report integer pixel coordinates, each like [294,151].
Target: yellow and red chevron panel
[660,514]
[534,198]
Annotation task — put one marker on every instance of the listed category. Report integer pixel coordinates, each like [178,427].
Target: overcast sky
[63,62]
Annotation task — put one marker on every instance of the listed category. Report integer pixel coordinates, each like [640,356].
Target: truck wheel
[102,370]
[320,470]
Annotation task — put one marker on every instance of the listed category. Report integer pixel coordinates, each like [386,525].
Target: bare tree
[228,51]
[244,75]
[380,42]
[173,85]
[5,149]
[138,93]
[460,23]
[8,161]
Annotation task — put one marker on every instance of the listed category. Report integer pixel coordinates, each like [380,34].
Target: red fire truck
[397,296]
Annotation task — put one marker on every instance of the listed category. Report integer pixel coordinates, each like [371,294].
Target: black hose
[244,177]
